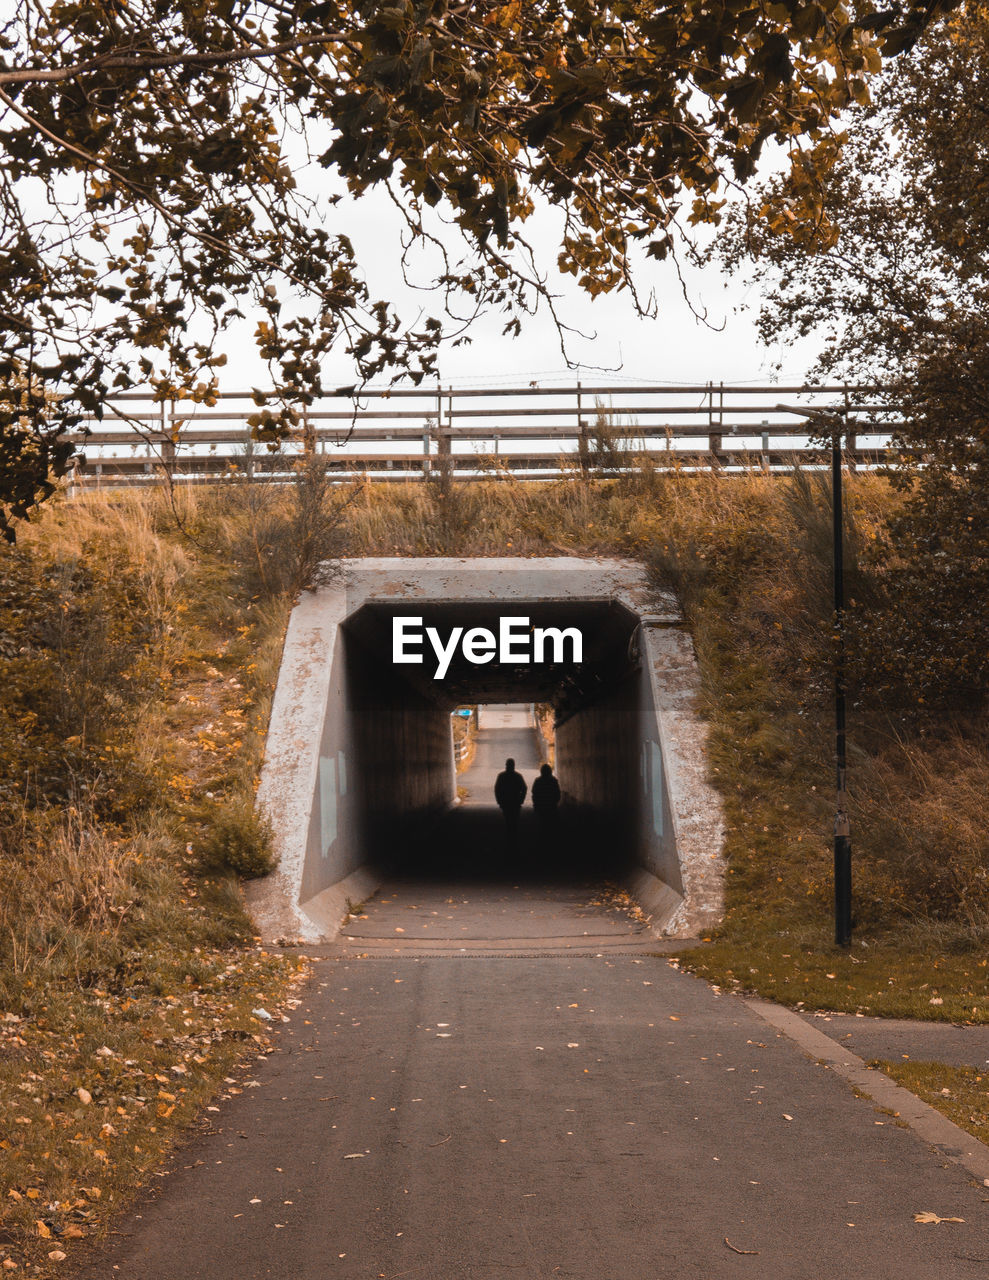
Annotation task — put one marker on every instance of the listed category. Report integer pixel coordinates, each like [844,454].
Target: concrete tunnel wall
[356,751]
[403,748]
[385,756]
[610,765]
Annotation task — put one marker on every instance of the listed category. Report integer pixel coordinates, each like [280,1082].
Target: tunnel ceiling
[606,626]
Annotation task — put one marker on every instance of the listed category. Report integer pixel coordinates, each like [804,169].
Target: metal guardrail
[469,433]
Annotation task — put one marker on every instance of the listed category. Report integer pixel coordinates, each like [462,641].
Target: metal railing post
[427,433]
[444,432]
[714,438]
[168,441]
[583,440]
[851,440]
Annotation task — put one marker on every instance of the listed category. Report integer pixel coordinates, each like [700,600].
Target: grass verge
[960,1093]
[136,667]
[96,1086]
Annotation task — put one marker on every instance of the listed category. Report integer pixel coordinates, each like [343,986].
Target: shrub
[241,838]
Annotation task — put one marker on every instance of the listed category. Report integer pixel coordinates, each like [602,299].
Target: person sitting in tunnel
[546,798]
[510,792]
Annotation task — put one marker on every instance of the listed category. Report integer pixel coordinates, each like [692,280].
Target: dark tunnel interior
[410,822]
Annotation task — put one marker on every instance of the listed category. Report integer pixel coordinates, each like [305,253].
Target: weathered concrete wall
[357,749]
[697,831]
[384,758]
[612,764]
[309,682]
[335,836]
[597,762]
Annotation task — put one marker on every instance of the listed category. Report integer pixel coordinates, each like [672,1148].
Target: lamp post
[842,829]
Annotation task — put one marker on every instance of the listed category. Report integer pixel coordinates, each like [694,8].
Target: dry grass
[143,668]
[924,806]
[57,892]
[960,1093]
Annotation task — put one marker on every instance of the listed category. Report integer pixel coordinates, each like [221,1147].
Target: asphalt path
[593,1117]
[490,913]
[492,747]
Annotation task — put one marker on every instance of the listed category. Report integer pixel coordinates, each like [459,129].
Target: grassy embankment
[135,674]
[960,1093]
[137,664]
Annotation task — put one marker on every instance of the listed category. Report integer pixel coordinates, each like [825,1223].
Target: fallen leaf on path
[734,1250]
[927,1216]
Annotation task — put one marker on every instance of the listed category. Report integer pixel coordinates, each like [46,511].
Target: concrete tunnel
[359,755]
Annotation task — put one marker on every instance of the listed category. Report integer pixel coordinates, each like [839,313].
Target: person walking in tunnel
[510,792]
[546,800]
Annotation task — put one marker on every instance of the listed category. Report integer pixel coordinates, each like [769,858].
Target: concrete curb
[950,1141]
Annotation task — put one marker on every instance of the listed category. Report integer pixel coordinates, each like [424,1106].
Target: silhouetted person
[510,791]
[546,799]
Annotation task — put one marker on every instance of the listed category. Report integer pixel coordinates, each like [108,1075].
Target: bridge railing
[469,433]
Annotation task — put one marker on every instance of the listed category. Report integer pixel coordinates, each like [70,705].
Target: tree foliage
[149,197]
[893,277]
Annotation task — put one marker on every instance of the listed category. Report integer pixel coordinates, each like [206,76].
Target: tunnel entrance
[412,823]
[360,779]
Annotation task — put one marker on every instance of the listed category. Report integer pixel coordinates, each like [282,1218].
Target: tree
[147,192]
[894,276]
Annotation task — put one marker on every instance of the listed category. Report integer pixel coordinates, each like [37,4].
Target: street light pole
[842,828]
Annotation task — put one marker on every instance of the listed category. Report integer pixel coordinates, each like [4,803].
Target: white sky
[673,347]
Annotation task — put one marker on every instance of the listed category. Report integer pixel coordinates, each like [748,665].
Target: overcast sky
[673,347]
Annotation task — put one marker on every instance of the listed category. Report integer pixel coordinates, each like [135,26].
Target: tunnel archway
[359,765]
[401,717]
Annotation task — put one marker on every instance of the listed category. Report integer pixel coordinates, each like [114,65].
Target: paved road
[591,1117]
